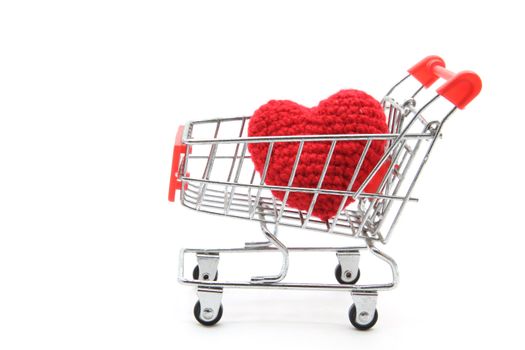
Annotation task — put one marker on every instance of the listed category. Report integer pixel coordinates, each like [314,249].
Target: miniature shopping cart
[214,173]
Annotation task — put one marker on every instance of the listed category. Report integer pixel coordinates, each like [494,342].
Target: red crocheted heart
[346,112]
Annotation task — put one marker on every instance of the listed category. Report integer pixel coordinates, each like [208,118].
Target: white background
[91,93]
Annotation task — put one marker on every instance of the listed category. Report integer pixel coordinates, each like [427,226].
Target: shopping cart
[212,170]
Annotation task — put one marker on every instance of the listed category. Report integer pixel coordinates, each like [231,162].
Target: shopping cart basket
[212,170]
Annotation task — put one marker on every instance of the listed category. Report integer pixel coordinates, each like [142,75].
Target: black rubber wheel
[353,319]
[196,274]
[197,314]
[340,280]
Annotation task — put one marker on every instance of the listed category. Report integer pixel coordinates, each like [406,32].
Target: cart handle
[460,88]
[178,149]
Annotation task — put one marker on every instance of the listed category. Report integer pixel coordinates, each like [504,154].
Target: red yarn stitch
[346,112]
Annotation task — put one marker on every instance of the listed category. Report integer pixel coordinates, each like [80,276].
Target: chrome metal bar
[272,238]
[263,224]
[288,285]
[348,217]
[183,171]
[397,116]
[320,183]
[236,178]
[227,201]
[386,258]
[403,113]
[292,177]
[396,85]
[187,132]
[236,150]
[266,249]
[395,156]
[349,188]
[418,91]
[209,165]
[263,178]
[215,120]
[250,190]
[390,119]
[191,156]
[213,150]
[306,138]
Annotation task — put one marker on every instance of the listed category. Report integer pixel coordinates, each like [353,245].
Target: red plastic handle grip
[459,88]
[178,149]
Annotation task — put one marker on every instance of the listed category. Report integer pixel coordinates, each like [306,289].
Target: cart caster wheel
[341,281]
[205,277]
[211,321]
[359,325]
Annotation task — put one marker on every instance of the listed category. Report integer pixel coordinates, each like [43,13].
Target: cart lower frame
[208,309]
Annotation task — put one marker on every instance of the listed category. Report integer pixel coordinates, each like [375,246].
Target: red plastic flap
[178,149]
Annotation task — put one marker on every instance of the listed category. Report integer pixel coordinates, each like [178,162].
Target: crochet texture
[346,112]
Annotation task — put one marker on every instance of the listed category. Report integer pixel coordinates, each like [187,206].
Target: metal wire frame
[243,193]
[365,219]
